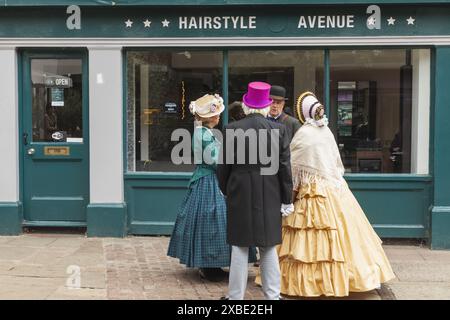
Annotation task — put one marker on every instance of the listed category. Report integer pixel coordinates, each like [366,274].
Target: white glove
[287,209]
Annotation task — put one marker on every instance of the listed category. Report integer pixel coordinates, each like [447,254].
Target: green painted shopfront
[92,91]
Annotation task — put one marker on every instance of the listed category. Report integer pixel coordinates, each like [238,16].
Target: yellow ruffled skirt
[329,247]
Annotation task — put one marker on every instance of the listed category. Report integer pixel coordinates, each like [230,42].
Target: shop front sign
[286,21]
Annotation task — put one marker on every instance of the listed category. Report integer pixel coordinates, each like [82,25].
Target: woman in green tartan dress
[199,235]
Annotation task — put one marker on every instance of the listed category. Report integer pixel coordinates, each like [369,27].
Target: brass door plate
[57,151]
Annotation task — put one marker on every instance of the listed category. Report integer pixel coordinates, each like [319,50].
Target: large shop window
[378,104]
[161,84]
[372,96]
[296,70]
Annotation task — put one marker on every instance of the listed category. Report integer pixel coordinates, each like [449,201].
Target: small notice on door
[170,107]
[57,97]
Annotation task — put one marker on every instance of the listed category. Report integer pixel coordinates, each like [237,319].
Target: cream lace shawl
[315,156]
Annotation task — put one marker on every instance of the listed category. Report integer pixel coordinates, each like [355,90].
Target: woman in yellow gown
[329,247]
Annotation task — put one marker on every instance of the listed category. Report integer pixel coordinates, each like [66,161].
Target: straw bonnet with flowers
[208,106]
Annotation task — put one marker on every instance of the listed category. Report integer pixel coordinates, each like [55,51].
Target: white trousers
[270,273]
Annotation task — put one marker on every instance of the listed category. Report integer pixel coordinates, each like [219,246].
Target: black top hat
[278,93]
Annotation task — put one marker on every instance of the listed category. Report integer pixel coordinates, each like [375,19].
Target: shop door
[55,146]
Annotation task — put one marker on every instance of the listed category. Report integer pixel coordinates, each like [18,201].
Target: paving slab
[93,280]
[82,260]
[68,242]
[421,291]
[65,293]
[436,255]
[5,240]
[387,246]
[25,288]
[403,255]
[426,271]
[16,253]
[45,271]
[5,266]
[32,241]
[50,256]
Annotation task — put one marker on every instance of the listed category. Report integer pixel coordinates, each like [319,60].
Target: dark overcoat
[254,198]
[292,124]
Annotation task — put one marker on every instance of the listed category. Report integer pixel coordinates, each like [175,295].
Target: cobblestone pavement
[46,266]
[139,268]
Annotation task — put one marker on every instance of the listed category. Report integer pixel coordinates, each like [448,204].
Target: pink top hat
[257,96]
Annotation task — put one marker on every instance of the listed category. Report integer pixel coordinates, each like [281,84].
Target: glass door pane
[57,100]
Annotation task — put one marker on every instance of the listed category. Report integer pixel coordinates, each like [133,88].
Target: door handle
[25,138]
[31,151]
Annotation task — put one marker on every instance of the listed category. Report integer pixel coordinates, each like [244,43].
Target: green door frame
[24,70]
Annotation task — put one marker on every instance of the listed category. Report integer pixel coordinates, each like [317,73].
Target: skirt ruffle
[329,247]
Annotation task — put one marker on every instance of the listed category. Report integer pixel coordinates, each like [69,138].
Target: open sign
[62,82]
[58,82]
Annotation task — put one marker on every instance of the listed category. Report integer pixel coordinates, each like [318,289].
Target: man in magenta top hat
[258,192]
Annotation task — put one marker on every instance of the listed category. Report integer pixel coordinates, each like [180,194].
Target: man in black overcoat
[278,111]
[257,191]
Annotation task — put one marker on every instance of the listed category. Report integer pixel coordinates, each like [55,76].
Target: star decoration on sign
[165,23]
[410,20]
[128,23]
[371,21]
[147,23]
[391,21]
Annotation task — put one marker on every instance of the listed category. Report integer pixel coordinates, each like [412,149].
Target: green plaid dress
[199,235]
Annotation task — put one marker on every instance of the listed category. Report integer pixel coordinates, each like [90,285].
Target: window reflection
[371,94]
[295,70]
[161,84]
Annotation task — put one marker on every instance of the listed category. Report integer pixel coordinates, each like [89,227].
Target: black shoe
[213,274]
